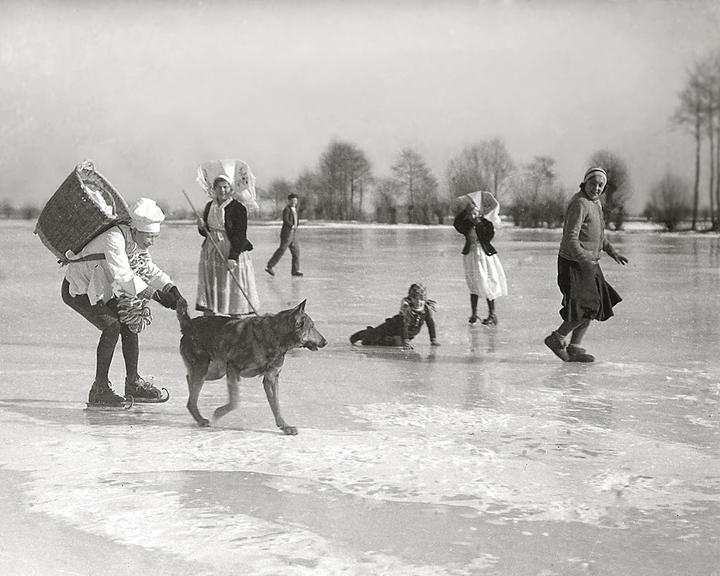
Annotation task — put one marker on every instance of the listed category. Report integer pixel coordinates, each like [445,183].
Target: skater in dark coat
[288,238]
[415,310]
[586,294]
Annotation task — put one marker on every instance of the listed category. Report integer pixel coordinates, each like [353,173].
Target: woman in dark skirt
[586,294]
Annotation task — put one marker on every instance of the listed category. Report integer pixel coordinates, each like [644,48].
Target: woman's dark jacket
[235,227]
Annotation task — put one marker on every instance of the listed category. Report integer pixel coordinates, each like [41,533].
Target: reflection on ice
[485,455]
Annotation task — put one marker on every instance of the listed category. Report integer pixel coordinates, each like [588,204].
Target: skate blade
[163,398]
[107,408]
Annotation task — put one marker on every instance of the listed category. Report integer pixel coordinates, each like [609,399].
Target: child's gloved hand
[434,342]
[406,345]
[146,294]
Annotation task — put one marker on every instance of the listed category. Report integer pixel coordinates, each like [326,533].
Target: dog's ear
[301,307]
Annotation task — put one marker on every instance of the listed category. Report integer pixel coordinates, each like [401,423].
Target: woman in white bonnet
[226,278]
[112,268]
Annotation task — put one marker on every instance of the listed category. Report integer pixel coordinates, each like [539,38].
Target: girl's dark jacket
[484,230]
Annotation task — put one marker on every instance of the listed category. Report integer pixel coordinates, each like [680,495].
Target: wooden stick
[219,251]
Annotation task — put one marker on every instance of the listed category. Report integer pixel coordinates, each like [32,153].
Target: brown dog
[213,346]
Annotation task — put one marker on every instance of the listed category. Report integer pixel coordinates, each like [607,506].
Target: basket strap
[89,257]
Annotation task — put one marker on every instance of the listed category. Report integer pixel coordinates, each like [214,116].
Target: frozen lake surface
[486,455]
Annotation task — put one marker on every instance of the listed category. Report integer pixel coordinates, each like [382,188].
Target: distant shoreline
[632,226]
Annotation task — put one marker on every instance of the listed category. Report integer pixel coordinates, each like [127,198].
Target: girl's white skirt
[484,274]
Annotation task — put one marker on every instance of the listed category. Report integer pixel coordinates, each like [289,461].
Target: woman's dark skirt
[586,294]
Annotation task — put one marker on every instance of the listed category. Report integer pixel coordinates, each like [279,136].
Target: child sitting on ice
[415,310]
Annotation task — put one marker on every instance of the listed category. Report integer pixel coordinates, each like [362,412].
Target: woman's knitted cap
[592,172]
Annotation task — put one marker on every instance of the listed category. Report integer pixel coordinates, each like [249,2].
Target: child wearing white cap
[586,294]
[109,283]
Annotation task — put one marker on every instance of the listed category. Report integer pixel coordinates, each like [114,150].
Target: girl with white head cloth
[226,276]
[477,218]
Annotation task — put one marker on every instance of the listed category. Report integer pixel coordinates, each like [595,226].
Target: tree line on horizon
[343,187]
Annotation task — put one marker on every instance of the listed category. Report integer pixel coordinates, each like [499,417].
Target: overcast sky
[148,90]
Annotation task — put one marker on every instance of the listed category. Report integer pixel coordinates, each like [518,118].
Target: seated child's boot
[141,389]
[357,336]
[579,354]
[102,395]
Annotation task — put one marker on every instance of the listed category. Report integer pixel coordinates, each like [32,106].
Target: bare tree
[307,187]
[713,79]
[689,114]
[483,166]
[538,200]
[416,182]
[669,201]
[710,90]
[498,164]
[344,172]
[465,173]
[360,177]
[541,172]
[617,190]
[6,209]
[386,194]
[278,191]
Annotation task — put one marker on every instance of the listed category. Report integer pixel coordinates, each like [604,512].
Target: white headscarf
[482,200]
[237,173]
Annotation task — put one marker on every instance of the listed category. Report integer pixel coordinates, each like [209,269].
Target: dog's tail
[183,317]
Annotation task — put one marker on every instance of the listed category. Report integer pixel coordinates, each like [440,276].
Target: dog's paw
[204,423]
[289,430]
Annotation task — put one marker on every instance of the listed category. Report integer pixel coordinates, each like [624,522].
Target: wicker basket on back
[84,206]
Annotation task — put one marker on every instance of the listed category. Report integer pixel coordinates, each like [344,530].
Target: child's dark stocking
[473,308]
[131,352]
[491,320]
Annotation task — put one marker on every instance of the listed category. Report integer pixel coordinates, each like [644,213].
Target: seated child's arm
[404,311]
[430,321]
